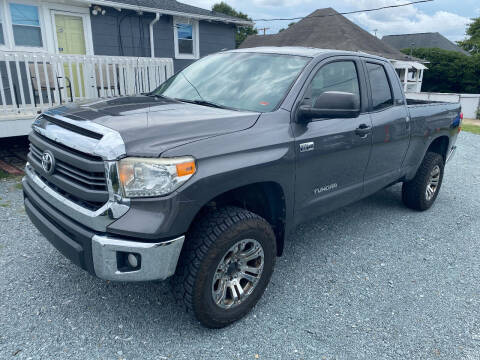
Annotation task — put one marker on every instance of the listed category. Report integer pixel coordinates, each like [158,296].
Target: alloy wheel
[238,273]
[433,183]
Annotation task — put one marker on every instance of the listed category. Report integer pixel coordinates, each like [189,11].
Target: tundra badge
[318,191]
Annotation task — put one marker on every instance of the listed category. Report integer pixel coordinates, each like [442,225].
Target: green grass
[19,186]
[4,175]
[471,128]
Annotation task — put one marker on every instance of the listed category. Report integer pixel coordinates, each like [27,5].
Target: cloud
[402,20]
[284,3]
[448,24]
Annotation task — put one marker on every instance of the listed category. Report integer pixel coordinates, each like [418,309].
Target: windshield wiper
[157,96]
[203,103]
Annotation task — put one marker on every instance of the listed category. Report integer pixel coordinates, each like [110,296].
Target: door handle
[363,130]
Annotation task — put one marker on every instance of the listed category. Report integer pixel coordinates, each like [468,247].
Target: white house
[57,51]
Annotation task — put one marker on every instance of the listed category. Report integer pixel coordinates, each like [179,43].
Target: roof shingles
[422,40]
[172,5]
[327,29]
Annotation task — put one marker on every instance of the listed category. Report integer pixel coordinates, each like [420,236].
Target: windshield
[242,81]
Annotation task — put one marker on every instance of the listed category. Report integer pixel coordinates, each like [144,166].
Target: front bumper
[100,254]
[157,260]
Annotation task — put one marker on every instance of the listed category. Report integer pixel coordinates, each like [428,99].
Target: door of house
[71,40]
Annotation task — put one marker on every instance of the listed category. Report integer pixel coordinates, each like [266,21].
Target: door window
[381,91]
[70,35]
[336,76]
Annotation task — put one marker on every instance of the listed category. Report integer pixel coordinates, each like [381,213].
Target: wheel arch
[440,146]
[266,199]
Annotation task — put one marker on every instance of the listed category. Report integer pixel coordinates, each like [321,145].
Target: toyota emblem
[48,162]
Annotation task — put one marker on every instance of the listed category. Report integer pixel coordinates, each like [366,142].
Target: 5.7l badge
[309,146]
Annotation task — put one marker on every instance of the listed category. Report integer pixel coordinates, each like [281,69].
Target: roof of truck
[302,51]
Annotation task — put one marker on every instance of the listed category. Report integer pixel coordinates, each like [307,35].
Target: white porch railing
[31,83]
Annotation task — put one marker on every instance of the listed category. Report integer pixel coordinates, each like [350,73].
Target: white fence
[470,102]
[30,83]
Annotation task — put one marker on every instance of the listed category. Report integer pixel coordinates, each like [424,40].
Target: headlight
[142,177]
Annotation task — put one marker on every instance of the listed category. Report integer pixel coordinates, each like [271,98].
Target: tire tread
[413,191]
[200,239]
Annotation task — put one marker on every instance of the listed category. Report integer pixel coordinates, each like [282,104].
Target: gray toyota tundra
[204,179]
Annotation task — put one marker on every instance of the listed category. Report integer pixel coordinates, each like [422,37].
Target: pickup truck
[203,180]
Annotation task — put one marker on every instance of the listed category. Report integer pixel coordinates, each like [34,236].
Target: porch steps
[9,169]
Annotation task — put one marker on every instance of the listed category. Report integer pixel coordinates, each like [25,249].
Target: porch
[410,74]
[33,82]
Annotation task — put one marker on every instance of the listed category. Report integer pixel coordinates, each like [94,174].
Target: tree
[449,71]
[242,31]
[472,44]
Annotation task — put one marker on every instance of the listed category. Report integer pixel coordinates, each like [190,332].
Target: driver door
[331,154]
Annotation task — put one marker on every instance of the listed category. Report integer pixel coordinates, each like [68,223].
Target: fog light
[132,260]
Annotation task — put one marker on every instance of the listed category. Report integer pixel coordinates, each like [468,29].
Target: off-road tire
[204,247]
[414,191]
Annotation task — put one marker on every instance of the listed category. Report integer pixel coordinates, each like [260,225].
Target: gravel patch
[373,280]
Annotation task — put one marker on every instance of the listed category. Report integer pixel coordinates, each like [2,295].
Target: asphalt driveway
[371,281]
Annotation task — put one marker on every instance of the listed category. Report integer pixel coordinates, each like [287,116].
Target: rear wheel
[421,192]
[225,266]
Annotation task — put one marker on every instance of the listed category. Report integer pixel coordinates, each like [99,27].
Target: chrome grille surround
[109,147]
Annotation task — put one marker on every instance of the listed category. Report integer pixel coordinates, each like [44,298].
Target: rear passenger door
[331,154]
[391,126]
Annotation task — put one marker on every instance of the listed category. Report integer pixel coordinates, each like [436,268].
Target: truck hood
[150,125]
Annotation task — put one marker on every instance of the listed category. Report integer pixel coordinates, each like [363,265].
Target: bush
[449,71]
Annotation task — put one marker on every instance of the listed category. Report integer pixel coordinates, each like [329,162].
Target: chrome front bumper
[79,235]
[158,261]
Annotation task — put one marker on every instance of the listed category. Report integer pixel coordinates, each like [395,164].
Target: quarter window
[381,91]
[26,25]
[336,76]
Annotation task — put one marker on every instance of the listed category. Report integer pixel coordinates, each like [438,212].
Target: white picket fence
[31,83]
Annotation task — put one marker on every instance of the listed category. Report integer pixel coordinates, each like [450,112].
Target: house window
[186,38]
[26,25]
[2,37]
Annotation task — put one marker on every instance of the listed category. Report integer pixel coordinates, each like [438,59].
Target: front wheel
[421,192]
[225,266]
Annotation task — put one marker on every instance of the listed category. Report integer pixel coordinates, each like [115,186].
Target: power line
[264,30]
[347,12]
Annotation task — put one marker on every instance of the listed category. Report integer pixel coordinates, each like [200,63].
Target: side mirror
[329,105]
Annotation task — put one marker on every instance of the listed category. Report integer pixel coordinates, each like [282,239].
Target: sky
[447,17]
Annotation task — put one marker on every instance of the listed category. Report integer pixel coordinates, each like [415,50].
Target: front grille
[78,176]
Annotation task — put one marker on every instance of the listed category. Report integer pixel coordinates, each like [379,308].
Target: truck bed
[414,102]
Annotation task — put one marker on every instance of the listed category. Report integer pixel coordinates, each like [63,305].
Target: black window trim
[362,81]
[389,81]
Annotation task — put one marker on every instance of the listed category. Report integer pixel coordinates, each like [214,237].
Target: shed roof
[327,29]
[422,40]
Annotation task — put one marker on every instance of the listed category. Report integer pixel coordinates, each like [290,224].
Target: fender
[263,153]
